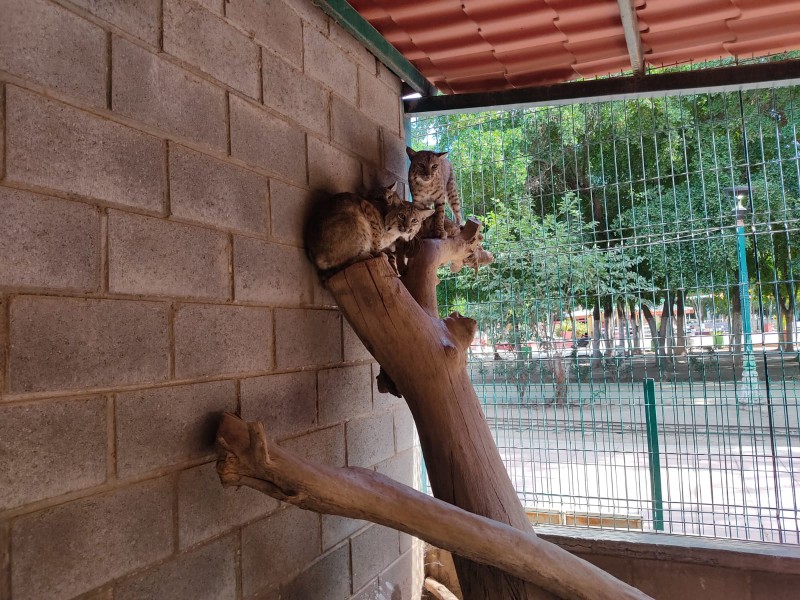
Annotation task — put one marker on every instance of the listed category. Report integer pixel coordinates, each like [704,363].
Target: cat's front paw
[442,235]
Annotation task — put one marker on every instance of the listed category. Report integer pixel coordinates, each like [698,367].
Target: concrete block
[5,560]
[311,14]
[222,340]
[353,348]
[373,550]
[271,23]
[160,427]
[48,431]
[285,541]
[292,93]
[271,273]
[206,573]
[397,580]
[70,344]
[204,40]
[390,79]
[773,586]
[406,541]
[265,141]
[378,101]
[325,446]
[619,567]
[159,93]
[336,529]
[325,62]
[137,17]
[45,43]
[356,49]
[52,145]
[400,467]
[371,591]
[354,131]
[326,579]
[215,6]
[307,337]
[290,208]
[285,403]
[48,243]
[163,258]
[330,170]
[210,191]
[394,155]
[370,439]
[344,393]
[666,580]
[75,547]
[206,509]
[404,432]
[4,345]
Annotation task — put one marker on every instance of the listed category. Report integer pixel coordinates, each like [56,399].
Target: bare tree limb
[246,458]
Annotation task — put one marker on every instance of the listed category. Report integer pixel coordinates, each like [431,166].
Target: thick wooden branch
[246,458]
[420,278]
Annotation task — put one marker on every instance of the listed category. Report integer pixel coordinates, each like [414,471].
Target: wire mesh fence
[637,356]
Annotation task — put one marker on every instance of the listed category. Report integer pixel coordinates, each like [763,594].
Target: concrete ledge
[732,554]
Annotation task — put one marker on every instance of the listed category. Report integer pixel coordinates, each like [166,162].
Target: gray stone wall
[157,162]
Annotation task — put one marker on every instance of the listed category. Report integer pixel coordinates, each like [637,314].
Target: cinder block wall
[158,160]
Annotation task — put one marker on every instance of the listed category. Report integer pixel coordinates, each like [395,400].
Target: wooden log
[246,458]
[425,358]
[438,591]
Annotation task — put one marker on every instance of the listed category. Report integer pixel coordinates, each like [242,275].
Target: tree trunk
[622,326]
[786,321]
[651,325]
[636,330]
[665,326]
[596,330]
[608,321]
[425,356]
[559,365]
[680,324]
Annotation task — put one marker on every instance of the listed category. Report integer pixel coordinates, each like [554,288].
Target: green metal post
[654,459]
[749,390]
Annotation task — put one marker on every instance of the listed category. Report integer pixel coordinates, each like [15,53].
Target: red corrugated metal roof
[483,45]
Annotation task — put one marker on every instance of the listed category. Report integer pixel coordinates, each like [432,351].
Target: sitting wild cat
[348,228]
[431,179]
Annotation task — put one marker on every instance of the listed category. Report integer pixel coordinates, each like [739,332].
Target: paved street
[722,472]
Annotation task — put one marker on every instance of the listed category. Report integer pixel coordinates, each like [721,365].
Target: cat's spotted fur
[431,180]
[349,228]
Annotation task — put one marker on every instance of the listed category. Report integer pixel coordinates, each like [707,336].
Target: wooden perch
[246,458]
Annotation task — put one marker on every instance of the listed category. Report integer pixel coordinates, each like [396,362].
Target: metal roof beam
[701,81]
[630,24]
[359,28]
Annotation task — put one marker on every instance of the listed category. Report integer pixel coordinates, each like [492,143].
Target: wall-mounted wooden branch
[423,358]
[246,458]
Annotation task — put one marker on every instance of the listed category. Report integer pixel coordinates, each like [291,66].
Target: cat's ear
[440,154]
[393,188]
[427,213]
[411,152]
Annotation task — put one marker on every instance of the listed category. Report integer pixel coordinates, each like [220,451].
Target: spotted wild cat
[431,179]
[349,228]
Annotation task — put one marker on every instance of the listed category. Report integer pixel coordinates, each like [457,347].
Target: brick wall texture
[158,159]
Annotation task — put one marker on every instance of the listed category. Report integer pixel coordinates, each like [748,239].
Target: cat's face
[390,196]
[405,220]
[425,165]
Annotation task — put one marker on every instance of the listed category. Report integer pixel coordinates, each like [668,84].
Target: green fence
[641,239]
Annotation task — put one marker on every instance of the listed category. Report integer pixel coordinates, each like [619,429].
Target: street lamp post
[749,391]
